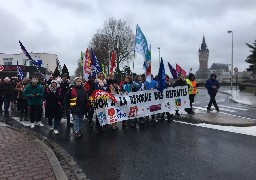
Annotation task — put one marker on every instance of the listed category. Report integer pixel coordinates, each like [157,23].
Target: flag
[19,72]
[82,58]
[37,63]
[173,71]
[95,66]
[87,65]
[113,61]
[25,51]
[161,77]
[180,70]
[141,45]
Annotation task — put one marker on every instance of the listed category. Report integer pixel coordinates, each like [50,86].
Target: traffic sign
[1,68]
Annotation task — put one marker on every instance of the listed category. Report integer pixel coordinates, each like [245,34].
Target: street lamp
[231,60]
[159,54]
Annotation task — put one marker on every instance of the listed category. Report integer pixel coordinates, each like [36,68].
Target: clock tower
[203,60]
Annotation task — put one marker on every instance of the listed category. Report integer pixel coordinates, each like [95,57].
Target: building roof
[218,66]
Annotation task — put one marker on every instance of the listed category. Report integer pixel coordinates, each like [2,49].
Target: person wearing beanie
[34,93]
[7,95]
[75,101]
[192,91]
[53,100]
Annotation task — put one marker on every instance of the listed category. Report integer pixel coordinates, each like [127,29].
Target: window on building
[7,61]
[24,62]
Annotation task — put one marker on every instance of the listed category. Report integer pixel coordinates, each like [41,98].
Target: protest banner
[141,104]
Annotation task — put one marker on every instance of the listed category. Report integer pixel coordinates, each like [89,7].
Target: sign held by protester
[141,104]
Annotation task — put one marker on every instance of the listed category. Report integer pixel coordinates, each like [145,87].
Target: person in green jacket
[34,93]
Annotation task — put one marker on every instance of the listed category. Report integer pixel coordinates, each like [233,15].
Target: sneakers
[32,125]
[39,124]
[56,131]
[51,128]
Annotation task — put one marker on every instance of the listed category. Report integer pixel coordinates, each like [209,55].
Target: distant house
[8,64]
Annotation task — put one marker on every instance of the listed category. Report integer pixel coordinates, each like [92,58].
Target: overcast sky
[65,27]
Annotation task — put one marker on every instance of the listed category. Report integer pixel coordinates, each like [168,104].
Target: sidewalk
[241,97]
[23,156]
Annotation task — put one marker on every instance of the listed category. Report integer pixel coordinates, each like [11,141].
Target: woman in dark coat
[53,99]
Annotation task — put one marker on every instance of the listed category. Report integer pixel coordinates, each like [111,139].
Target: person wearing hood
[212,86]
[34,92]
[75,101]
[192,91]
[53,100]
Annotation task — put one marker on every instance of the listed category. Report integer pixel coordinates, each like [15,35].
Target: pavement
[24,156]
[222,118]
[241,97]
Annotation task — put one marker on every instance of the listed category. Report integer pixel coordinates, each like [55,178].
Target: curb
[197,121]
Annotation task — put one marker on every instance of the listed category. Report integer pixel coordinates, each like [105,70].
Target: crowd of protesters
[58,98]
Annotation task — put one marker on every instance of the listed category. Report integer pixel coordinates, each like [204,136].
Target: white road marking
[234,107]
[250,131]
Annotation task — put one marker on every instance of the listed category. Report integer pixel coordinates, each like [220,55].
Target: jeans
[35,113]
[77,119]
[7,101]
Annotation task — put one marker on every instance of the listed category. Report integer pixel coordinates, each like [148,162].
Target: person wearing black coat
[76,100]
[65,86]
[8,89]
[53,100]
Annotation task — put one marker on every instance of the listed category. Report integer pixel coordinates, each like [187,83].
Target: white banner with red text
[141,104]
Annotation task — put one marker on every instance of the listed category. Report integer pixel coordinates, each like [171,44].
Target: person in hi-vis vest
[192,91]
[76,100]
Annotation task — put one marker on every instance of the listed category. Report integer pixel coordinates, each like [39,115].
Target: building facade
[8,64]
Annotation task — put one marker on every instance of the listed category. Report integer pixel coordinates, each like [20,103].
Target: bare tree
[115,35]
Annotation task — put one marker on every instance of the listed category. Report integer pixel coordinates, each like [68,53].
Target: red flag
[180,70]
[113,61]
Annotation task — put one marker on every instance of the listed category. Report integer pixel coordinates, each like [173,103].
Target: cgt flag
[161,77]
[180,70]
[87,65]
[113,61]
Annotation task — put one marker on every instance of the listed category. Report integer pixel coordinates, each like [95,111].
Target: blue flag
[95,66]
[19,72]
[37,63]
[173,71]
[141,45]
[161,77]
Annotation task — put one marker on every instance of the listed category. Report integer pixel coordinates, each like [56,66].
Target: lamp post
[159,54]
[231,60]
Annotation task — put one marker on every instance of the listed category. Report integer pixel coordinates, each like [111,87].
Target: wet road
[160,151]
